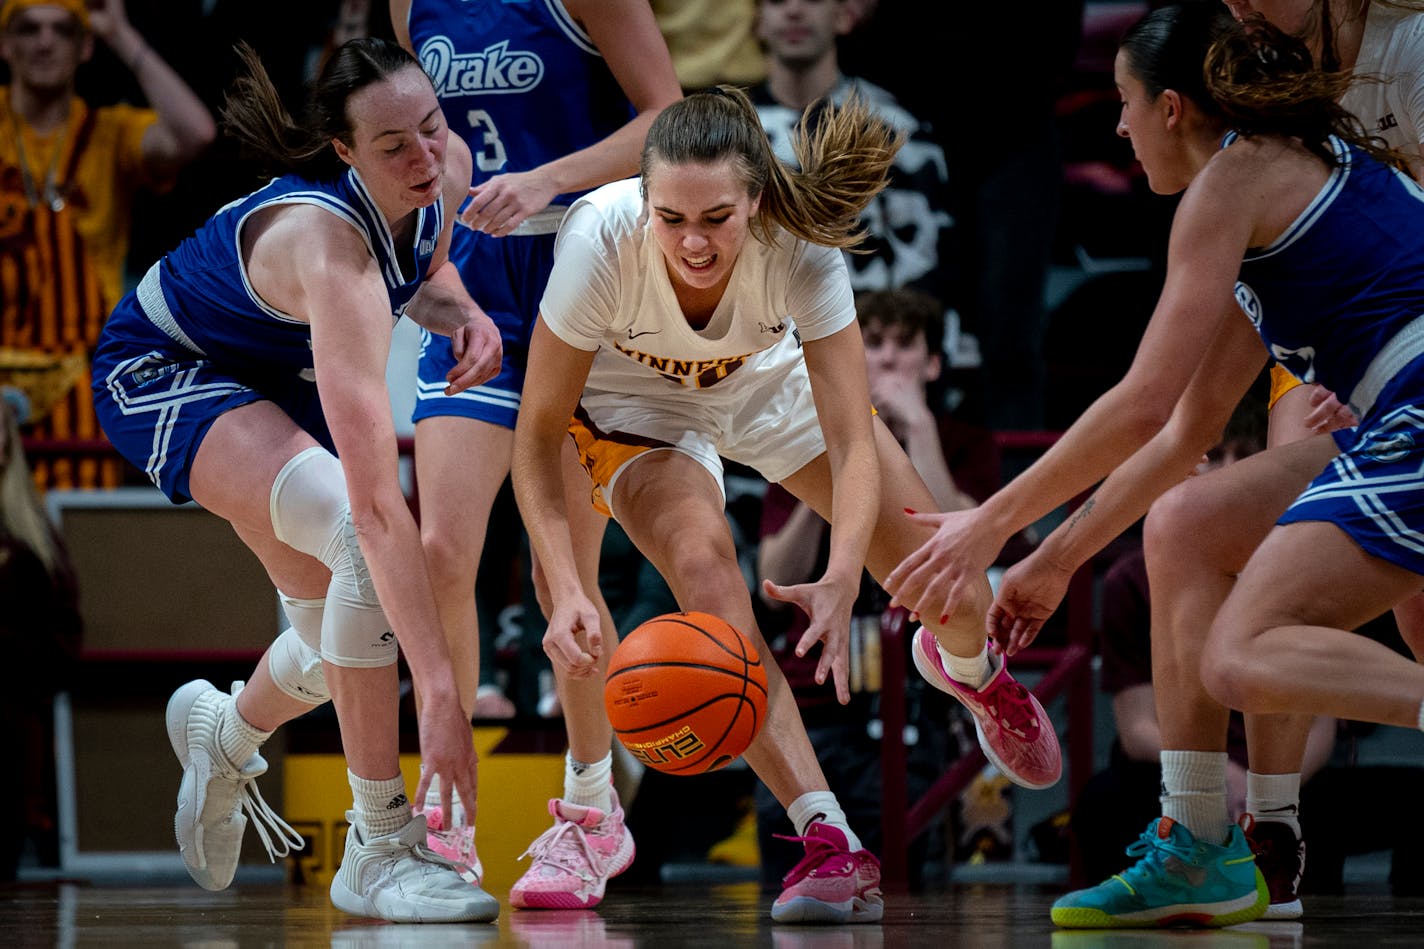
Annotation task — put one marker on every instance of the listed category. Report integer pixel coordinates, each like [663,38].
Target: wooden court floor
[977,916]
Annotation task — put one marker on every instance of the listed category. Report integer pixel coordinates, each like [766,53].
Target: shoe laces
[1152,852]
[562,846]
[818,851]
[277,836]
[410,841]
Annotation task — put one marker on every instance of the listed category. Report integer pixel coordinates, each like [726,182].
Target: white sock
[1421,716]
[237,738]
[1194,793]
[821,807]
[972,671]
[1274,797]
[589,785]
[381,806]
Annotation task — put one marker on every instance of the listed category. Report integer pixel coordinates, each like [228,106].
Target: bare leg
[1409,615]
[1281,642]
[460,465]
[673,512]
[590,735]
[232,476]
[1198,537]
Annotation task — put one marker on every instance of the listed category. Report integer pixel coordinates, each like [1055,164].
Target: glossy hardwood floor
[978,916]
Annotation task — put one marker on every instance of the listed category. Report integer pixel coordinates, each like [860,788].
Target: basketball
[686,693]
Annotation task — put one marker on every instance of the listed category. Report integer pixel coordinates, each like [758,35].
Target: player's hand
[946,569]
[447,748]
[1326,413]
[1028,594]
[501,204]
[827,604]
[574,639]
[478,351]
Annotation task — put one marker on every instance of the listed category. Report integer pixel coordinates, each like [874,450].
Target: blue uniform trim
[571,29]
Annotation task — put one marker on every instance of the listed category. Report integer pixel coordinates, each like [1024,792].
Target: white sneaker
[397,877]
[210,822]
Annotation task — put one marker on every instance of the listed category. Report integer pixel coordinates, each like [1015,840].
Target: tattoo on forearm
[1083,511]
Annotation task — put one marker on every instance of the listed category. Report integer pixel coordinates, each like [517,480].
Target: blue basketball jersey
[1345,278]
[519,81]
[210,306]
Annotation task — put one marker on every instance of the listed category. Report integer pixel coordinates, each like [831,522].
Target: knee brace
[295,668]
[310,512]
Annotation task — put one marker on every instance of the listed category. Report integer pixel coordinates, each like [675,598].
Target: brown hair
[843,162]
[1265,83]
[906,312]
[254,114]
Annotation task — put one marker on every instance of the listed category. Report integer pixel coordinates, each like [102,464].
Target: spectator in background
[908,225]
[711,41]
[39,633]
[68,177]
[959,463]
[1000,134]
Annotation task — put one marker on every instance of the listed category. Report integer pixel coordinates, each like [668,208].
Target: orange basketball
[686,693]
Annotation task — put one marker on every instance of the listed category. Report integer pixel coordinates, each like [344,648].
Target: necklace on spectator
[52,198]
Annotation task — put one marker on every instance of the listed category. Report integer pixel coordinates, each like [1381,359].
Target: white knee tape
[296,669]
[310,513]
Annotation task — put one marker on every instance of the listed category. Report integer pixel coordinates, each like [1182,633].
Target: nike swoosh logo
[633,335]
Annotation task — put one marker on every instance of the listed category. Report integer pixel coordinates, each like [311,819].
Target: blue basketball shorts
[156,400]
[506,277]
[1374,489]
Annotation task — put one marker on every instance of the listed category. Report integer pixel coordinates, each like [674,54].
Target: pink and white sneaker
[572,861]
[831,884]
[455,843]
[1014,730]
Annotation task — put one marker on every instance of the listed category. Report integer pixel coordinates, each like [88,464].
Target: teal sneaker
[1179,881]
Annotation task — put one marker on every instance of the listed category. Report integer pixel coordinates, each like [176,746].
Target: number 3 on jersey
[491,156]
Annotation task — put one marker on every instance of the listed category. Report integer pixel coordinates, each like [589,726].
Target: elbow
[1146,417]
[1194,435]
[1138,409]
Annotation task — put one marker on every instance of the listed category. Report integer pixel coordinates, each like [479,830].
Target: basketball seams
[741,699]
[741,639]
[673,664]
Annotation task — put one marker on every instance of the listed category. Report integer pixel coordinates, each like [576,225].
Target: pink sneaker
[572,861]
[831,884]
[455,843]
[1013,728]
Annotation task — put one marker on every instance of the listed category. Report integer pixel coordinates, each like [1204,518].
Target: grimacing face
[701,217]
